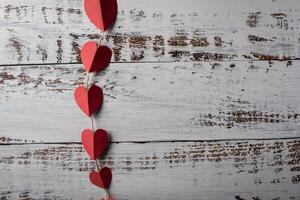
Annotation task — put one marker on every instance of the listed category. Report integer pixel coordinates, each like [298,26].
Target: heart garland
[102,13]
[89,100]
[94,143]
[101,179]
[95,58]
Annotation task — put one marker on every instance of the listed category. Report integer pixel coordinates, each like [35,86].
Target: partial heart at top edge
[95,58]
[94,143]
[89,100]
[102,13]
[101,179]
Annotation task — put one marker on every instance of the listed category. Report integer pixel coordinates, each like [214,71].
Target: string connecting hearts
[95,58]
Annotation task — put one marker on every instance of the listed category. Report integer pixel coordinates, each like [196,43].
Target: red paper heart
[101,179]
[102,13]
[94,144]
[95,58]
[89,100]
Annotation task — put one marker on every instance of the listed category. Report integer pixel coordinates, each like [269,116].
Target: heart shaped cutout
[102,13]
[101,179]
[95,58]
[94,144]
[89,100]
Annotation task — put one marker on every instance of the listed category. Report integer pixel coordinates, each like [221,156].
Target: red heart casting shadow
[95,58]
[94,144]
[102,13]
[89,100]
[101,179]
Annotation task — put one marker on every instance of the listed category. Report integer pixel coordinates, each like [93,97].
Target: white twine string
[98,166]
[107,195]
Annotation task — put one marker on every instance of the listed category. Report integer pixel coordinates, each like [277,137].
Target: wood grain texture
[221,122]
[145,102]
[53,31]
[246,170]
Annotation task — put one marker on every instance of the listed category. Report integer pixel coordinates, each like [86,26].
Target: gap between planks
[157,141]
[147,62]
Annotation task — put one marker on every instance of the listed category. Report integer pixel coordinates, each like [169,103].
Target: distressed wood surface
[163,101]
[226,128]
[246,170]
[52,31]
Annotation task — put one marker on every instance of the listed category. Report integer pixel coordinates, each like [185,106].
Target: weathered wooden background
[202,99]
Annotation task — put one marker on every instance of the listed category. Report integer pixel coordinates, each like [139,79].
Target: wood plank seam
[146,62]
[155,141]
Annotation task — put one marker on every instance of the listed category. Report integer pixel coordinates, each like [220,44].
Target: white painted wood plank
[35,31]
[194,170]
[164,101]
